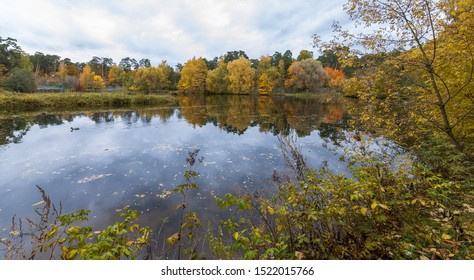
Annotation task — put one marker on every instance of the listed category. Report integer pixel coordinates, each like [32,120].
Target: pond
[106,160]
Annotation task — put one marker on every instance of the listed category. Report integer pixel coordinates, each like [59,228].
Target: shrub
[20,80]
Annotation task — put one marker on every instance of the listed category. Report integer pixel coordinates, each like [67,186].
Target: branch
[463,116]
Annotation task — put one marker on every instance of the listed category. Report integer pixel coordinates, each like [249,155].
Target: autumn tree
[193,77]
[86,78]
[241,76]
[113,77]
[265,86]
[98,83]
[268,75]
[306,75]
[336,78]
[217,79]
[436,73]
[152,79]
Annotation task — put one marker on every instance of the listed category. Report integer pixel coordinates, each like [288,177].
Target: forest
[410,77]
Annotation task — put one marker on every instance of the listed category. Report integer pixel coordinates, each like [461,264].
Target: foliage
[241,76]
[436,74]
[193,77]
[392,208]
[337,78]
[152,79]
[304,54]
[39,101]
[20,80]
[97,82]
[265,86]
[86,78]
[217,80]
[53,230]
[189,222]
[307,74]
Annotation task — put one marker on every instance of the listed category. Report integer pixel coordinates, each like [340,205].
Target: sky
[174,30]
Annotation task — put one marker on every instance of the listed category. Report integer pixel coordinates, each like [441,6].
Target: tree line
[233,72]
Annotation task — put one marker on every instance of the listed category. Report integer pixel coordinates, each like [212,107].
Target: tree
[97,83]
[307,74]
[113,77]
[10,53]
[268,75]
[193,77]
[337,78]
[128,64]
[265,86]
[234,55]
[152,79]
[20,80]
[304,54]
[438,35]
[217,80]
[144,63]
[86,78]
[241,76]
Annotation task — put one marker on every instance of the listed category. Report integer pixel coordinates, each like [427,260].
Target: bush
[20,80]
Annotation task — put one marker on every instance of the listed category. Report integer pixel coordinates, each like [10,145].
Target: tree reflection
[277,115]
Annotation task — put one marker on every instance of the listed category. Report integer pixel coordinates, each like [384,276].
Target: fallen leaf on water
[38,203]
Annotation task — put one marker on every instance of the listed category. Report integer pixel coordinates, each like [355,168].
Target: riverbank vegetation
[15,102]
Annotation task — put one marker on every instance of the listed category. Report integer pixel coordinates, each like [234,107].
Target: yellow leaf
[236,235]
[173,239]
[37,203]
[363,210]
[446,236]
[373,205]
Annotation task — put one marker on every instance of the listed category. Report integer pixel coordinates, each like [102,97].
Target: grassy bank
[38,101]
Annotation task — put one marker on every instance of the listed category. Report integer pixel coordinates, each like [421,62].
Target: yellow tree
[193,77]
[86,78]
[265,86]
[436,73]
[98,83]
[241,76]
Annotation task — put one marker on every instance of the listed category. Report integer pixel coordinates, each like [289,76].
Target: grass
[36,101]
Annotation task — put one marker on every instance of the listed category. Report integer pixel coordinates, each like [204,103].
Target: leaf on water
[37,203]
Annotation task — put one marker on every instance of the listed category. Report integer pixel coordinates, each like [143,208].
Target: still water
[104,161]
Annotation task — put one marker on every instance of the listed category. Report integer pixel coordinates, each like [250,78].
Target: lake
[106,160]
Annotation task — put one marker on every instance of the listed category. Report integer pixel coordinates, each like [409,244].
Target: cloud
[166,30]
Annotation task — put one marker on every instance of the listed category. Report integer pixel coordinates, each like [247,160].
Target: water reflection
[136,157]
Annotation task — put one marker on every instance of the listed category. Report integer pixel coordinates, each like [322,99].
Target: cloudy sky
[174,30]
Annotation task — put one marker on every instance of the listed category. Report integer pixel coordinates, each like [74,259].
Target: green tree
[217,80]
[20,80]
[193,77]
[304,54]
